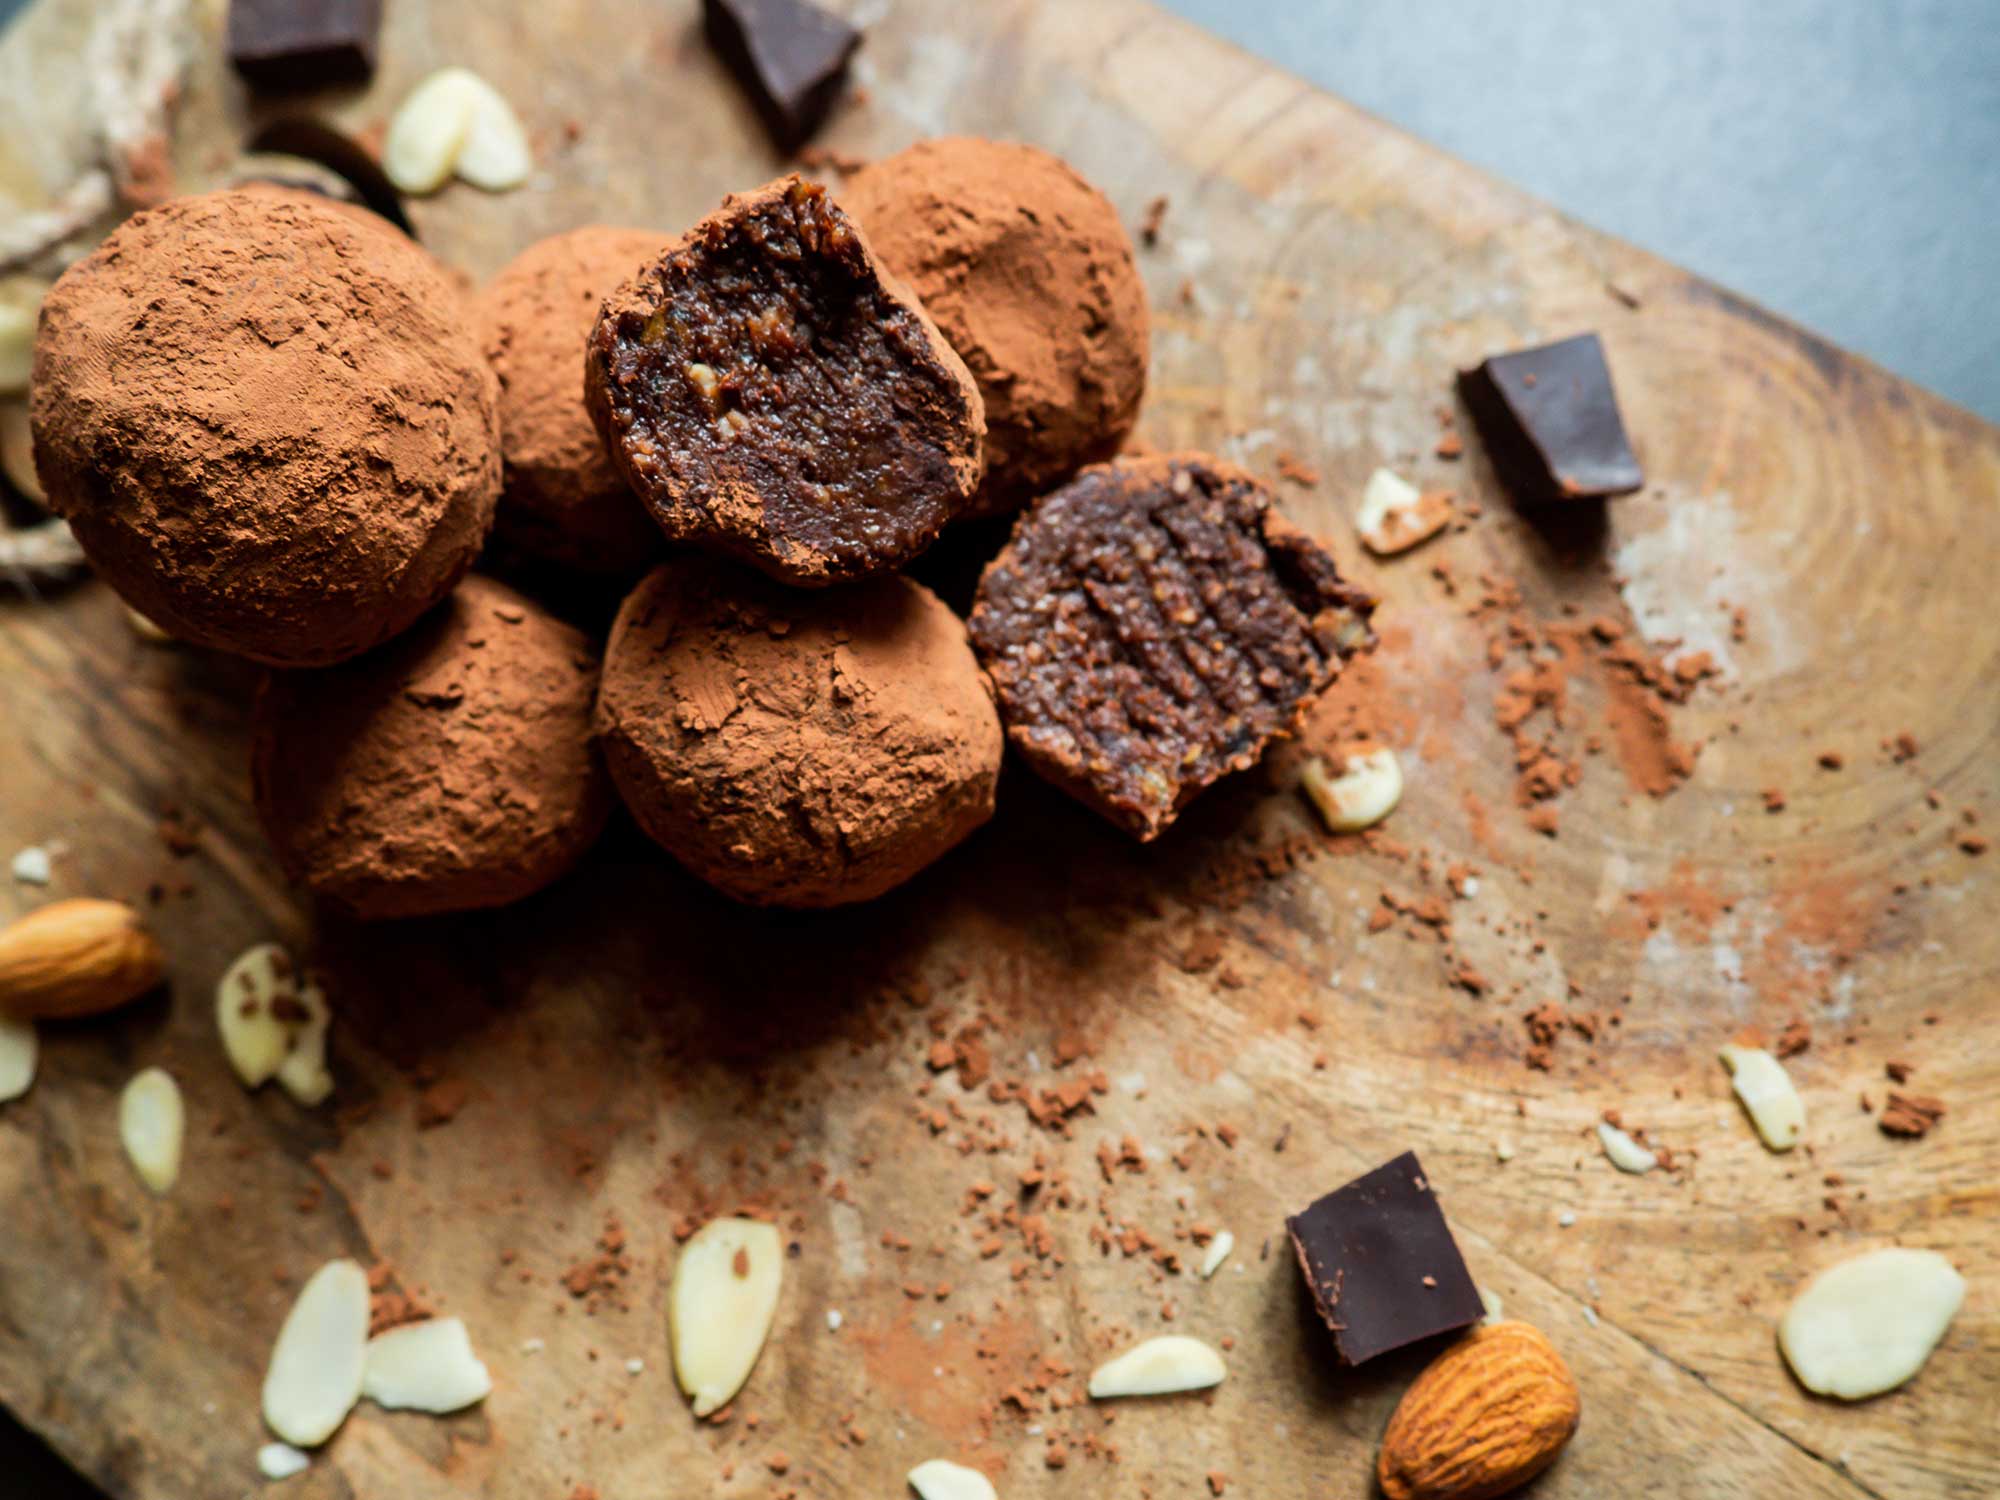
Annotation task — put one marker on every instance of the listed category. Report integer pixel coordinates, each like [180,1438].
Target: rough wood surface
[634,1047]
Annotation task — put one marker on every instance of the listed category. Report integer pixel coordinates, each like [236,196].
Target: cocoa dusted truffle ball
[563,499]
[267,423]
[772,393]
[449,770]
[1028,271]
[796,749]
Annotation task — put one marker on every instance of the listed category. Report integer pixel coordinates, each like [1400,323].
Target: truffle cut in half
[1152,626]
[771,392]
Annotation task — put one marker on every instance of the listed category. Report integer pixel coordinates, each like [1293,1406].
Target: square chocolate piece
[303,44]
[1381,1264]
[1550,421]
[791,55]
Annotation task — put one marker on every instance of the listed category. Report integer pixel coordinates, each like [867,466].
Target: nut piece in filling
[266,420]
[796,749]
[772,392]
[450,770]
[1152,626]
[563,499]
[1032,277]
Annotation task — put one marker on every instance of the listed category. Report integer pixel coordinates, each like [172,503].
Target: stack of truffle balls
[278,430]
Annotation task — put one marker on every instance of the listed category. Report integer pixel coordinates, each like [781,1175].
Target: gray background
[1837,160]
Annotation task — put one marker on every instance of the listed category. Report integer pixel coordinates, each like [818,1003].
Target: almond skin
[1490,1414]
[76,958]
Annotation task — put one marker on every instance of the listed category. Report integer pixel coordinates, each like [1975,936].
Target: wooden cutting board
[636,1051]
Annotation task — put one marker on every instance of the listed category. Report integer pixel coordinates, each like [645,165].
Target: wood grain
[636,1047]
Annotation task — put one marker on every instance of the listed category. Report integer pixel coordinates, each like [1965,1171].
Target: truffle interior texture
[771,392]
[1152,626]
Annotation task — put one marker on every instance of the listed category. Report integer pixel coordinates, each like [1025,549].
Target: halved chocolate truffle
[1152,626]
[772,392]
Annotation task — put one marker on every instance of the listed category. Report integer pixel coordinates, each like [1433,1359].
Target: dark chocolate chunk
[791,55]
[1152,626]
[1550,421]
[303,44]
[769,391]
[1381,1264]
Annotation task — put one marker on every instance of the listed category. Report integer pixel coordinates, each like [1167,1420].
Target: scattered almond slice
[941,1479]
[1626,1154]
[1158,1367]
[247,1001]
[495,156]
[1395,516]
[1495,1312]
[152,1122]
[429,129]
[316,1366]
[1765,1088]
[281,1461]
[427,1366]
[303,1074]
[19,1050]
[32,866]
[1868,1324]
[1218,1252]
[1366,790]
[721,1306]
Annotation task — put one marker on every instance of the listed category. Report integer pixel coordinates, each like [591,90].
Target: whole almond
[1490,1414]
[76,958]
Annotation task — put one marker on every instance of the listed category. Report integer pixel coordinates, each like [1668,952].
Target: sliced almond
[1765,1088]
[429,130]
[316,1366]
[721,1306]
[1395,516]
[76,958]
[495,155]
[19,1051]
[258,1012]
[1218,1252]
[1868,1324]
[941,1479]
[1158,1367]
[152,1122]
[303,1074]
[1361,794]
[281,1461]
[1626,1154]
[427,1366]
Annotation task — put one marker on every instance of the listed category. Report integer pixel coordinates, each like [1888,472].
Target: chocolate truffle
[267,422]
[1152,626]
[773,393]
[796,749]
[1028,271]
[449,770]
[563,500]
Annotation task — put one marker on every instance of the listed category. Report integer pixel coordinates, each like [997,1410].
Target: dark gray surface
[1836,160]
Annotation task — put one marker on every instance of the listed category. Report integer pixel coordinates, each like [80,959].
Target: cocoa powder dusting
[294,452]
